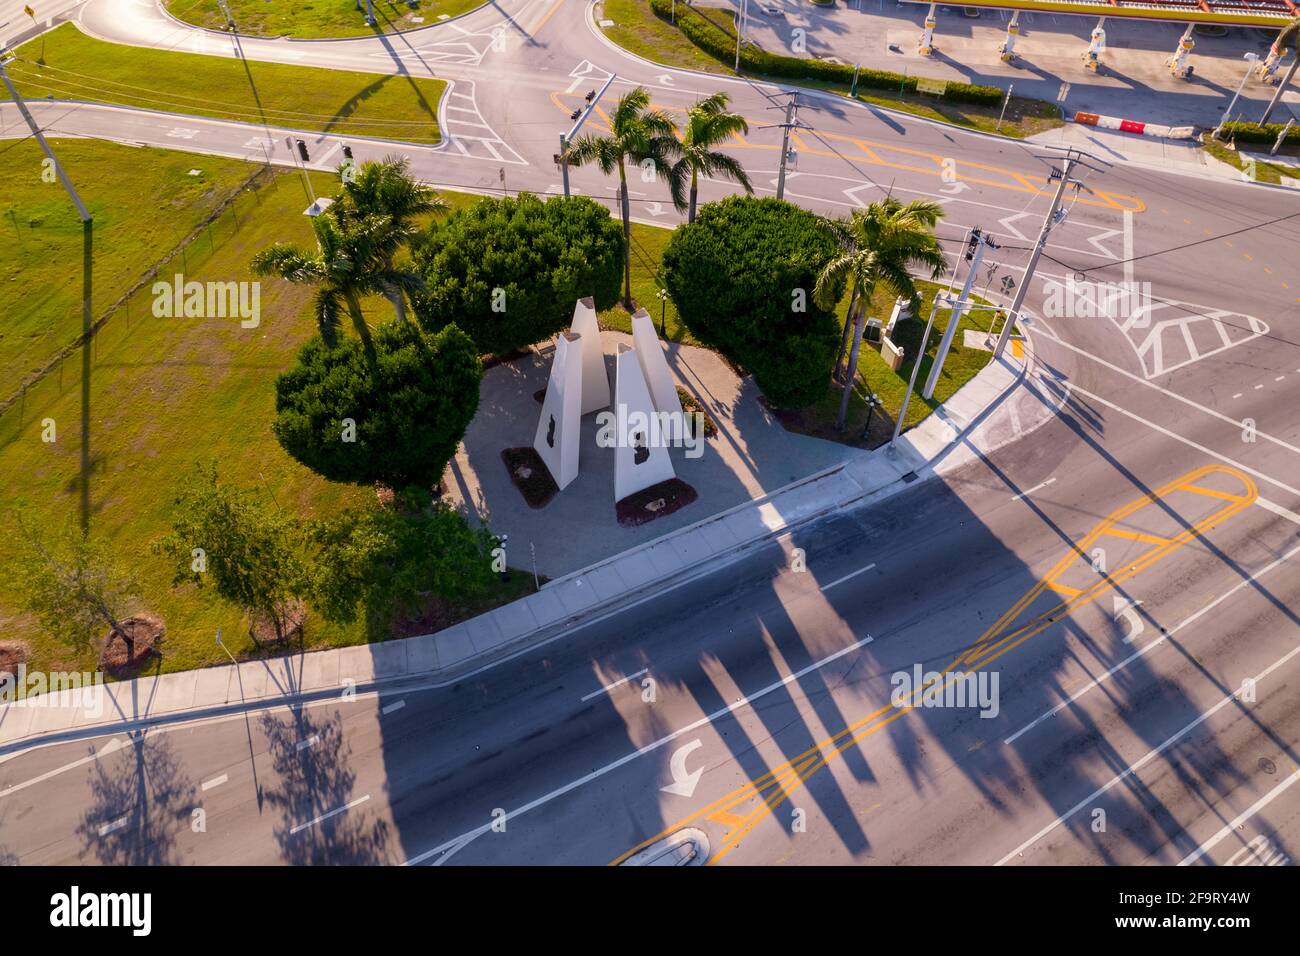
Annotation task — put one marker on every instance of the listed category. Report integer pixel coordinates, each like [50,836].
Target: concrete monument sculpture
[560,426]
[640,452]
[595,380]
[654,366]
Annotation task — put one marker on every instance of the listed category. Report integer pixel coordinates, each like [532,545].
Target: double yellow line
[734,811]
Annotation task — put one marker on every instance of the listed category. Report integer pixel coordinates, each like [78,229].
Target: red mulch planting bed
[530,475]
[654,502]
[146,632]
[262,630]
[12,653]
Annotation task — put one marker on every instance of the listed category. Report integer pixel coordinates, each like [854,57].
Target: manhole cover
[1267,765]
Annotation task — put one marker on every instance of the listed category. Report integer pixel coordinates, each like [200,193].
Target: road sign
[29,11]
[926,85]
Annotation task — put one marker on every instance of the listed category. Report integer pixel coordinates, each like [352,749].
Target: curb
[290,39]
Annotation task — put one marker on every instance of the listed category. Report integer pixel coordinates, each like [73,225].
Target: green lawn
[165,394]
[320,18]
[67,64]
[39,298]
[637,29]
[1264,172]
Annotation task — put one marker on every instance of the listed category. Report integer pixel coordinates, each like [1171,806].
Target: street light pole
[1281,87]
[1251,58]
[916,367]
[742,12]
[566,138]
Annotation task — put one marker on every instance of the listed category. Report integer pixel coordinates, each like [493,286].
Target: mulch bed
[120,659]
[690,405]
[262,629]
[654,502]
[530,475]
[12,653]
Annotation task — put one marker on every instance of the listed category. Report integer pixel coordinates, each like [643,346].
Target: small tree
[74,587]
[394,417]
[508,271]
[243,544]
[388,560]
[708,124]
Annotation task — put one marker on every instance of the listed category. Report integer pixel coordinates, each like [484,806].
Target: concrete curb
[290,39]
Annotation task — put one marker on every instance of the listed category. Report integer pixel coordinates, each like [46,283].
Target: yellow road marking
[933,164]
[779,783]
[537,28]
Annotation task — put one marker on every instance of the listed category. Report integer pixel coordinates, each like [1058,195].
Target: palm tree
[637,134]
[353,259]
[879,245]
[708,124]
[386,188]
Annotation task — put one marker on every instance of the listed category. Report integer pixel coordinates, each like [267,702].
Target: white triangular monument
[559,428]
[640,454]
[595,380]
[654,366]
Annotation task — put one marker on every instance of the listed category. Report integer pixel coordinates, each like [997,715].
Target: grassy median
[321,19]
[67,64]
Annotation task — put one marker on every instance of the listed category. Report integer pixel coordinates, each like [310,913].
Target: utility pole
[791,122]
[40,139]
[742,14]
[976,243]
[1281,87]
[1251,59]
[1074,157]
[592,98]
[940,298]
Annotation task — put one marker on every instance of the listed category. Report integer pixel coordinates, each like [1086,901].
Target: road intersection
[1124,732]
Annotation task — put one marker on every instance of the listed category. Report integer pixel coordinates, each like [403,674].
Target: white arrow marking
[1124,611]
[1095,242]
[654,208]
[664,79]
[952,189]
[1007,224]
[683,783]
[852,192]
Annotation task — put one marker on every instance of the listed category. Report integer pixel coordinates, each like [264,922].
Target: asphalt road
[785,677]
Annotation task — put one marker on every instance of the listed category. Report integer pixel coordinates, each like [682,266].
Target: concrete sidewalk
[972,419]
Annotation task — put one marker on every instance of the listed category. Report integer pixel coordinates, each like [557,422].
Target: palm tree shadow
[139,799]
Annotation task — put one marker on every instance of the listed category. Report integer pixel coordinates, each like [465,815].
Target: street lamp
[662,296]
[873,403]
[1227,114]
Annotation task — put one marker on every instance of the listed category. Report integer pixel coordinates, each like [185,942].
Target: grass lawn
[39,297]
[637,29]
[1265,172]
[875,377]
[322,18]
[648,244]
[67,64]
[164,394]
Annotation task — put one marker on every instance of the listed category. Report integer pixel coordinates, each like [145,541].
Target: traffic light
[302,150]
[972,243]
[347,152]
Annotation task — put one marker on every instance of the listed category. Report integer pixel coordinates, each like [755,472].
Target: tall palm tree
[879,245]
[708,124]
[387,188]
[353,259]
[637,134]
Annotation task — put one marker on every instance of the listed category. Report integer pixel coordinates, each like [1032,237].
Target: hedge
[1254,133]
[718,43]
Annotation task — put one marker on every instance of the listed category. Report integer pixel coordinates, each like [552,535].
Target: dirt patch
[262,629]
[654,502]
[530,475]
[691,406]
[12,653]
[121,658]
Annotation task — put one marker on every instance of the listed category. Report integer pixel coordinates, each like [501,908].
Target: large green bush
[409,404]
[508,271]
[742,277]
[718,43]
[1254,133]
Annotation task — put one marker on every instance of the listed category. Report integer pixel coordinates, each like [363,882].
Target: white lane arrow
[654,208]
[1007,224]
[952,189]
[1124,612]
[664,79]
[1095,242]
[852,192]
[684,783]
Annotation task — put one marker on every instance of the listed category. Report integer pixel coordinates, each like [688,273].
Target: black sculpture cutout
[641,452]
[550,433]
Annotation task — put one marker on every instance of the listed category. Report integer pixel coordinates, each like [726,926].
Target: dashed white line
[392,708]
[333,813]
[1030,491]
[1238,395]
[1277,509]
[617,683]
[827,587]
[103,751]
[309,742]
[117,824]
[214,782]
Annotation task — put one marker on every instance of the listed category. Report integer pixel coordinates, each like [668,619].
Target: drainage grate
[909,478]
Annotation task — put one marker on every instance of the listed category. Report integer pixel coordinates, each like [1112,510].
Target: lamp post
[662,296]
[1227,114]
[872,404]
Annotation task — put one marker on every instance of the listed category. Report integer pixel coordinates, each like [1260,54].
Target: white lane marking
[1279,378]
[1245,582]
[309,742]
[1014,410]
[324,159]
[214,782]
[1030,491]
[1277,509]
[618,683]
[648,748]
[108,748]
[827,587]
[117,824]
[1253,809]
[1188,442]
[333,813]
[1174,395]
[392,708]
[1258,387]
[1238,395]
[1150,755]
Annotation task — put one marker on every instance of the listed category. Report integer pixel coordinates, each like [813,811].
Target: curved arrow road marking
[684,783]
